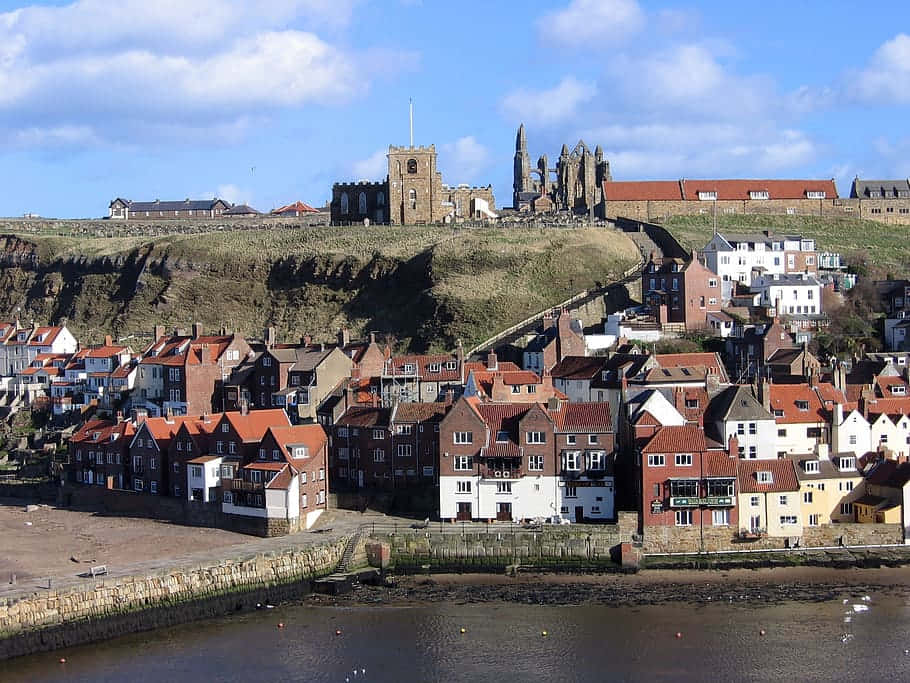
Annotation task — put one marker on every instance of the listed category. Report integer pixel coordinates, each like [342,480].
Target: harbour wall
[107,607]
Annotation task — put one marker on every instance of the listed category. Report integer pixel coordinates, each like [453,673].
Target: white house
[737,413]
[850,433]
[789,293]
[203,478]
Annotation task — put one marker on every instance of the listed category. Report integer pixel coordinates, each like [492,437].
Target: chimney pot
[108,340]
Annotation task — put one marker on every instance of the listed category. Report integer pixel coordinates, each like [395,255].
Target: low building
[769,499]
[560,336]
[828,487]
[681,293]
[126,209]
[788,294]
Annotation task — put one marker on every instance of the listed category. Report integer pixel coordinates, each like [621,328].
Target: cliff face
[425,290]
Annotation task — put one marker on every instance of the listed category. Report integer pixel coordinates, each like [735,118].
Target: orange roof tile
[310,435]
[783,398]
[254,425]
[105,351]
[642,190]
[740,189]
[677,439]
[783,475]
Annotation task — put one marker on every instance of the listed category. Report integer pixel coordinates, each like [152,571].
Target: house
[737,413]
[750,347]
[737,259]
[294,210]
[285,483]
[186,373]
[886,495]
[192,443]
[126,209]
[21,345]
[769,498]
[574,376]
[513,461]
[791,365]
[802,421]
[687,482]
[505,382]
[828,486]
[422,378]
[241,211]
[681,293]
[559,337]
[99,453]
[788,293]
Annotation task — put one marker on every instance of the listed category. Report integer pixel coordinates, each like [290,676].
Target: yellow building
[828,487]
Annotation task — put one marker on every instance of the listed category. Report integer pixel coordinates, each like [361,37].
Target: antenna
[411,116]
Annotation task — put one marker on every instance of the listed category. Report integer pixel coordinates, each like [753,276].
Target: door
[464,512]
[360,478]
[579,514]
[504,512]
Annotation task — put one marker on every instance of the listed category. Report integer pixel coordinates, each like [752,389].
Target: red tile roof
[394,366]
[641,190]
[312,436]
[691,360]
[254,425]
[501,366]
[583,417]
[677,439]
[715,464]
[421,412]
[365,416]
[298,206]
[578,367]
[783,475]
[51,332]
[784,398]
[740,189]
[105,351]
[282,480]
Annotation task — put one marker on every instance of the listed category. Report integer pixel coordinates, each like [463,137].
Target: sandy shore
[757,586]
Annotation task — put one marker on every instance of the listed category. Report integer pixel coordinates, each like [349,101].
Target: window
[463,462]
[719,487]
[848,463]
[256,476]
[276,455]
[196,471]
[404,450]
[683,518]
[503,487]
[852,439]
[596,460]
[224,427]
[807,497]
[592,439]
[802,405]
[137,484]
[754,501]
[787,519]
[753,428]
[815,194]
[404,429]
[321,474]
[153,463]
[362,203]
[462,487]
[740,428]
[811,467]
[535,463]
[846,508]
[813,520]
[571,439]
[378,434]
[463,437]
[758,194]
[412,166]
[412,198]
[571,461]
[571,492]
[707,196]
[153,486]
[535,438]
[685,488]
[683,459]
[656,460]
[303,477]
[764,477]
[720,518]
[783,500]
[344,202]
[227,471]
[378,455]
[782,432]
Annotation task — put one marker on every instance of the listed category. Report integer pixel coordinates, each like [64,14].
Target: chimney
[733,448]
[548,320]
[838,414]
[139,415]
[169,416]
[449,396]
[269,337]
[764,393]
[119,416]
[679,400]
[492,361]
[344,337]
[459,358]
[203,354]
[197,330]
[322,346]
[108,340]
[244,408]
[158,332]
[356,372]
[372,337]
[306,340]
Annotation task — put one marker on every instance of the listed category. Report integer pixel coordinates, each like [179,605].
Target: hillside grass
[886,248]
[423,286]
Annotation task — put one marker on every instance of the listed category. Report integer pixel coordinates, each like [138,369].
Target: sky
[271,102]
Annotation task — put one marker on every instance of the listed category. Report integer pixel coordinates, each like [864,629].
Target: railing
[502,472]
[244,485]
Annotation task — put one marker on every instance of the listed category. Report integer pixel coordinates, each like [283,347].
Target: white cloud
[234,194]
[374,167]
[887,75]
[154,66]
[548,107]
[583,21]
[463,160]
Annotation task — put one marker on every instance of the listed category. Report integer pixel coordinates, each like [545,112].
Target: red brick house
[505,382]
[560,336]
[680,293]
[99,452]
[688,480]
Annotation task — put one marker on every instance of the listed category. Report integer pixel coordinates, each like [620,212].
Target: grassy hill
[424,286]
[885,248]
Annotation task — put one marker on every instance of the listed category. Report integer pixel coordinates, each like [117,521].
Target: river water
[825,641]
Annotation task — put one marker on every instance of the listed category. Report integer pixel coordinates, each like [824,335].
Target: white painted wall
[587,497]
[764,439]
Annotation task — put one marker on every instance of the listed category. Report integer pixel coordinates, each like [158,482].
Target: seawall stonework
[115,606]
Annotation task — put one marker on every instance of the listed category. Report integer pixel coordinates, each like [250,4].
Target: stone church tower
[522,184]
[414,185]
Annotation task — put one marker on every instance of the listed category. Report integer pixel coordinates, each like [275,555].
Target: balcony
[244,485]
[504,472]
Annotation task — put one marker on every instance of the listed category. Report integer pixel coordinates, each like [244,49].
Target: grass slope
[424,286]
[886,248]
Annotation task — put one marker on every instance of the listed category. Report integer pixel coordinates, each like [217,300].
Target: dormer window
[707,196]
[407,368]
[898,390]
[451,365]
[759,194]
[846,463]
[434,367]
[802,405]
[764,477]
[502,436]
[810,467]
[815,194]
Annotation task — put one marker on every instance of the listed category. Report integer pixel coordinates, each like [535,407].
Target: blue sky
[270,102]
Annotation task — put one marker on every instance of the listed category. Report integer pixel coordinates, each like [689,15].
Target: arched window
[412,198]
[344,202]
[362,203]
[380,199]
[412,165]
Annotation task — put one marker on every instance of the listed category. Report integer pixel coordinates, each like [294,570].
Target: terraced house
[100,454]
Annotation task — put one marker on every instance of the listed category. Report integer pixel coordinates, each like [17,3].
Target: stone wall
[869,209]
[107,607]
[177,510]
[672,539]
[578,547]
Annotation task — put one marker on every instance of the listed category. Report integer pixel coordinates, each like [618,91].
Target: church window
[362,203]
[412,165]
[380,199]
[344,202]
[412,198]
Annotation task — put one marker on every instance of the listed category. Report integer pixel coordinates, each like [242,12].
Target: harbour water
[859,639]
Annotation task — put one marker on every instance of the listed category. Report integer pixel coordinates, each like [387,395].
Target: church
[576,184]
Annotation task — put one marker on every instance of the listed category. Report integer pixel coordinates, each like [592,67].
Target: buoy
[543,633]
[280,624]
[678,635]
[464,630]
[63,660]
[337,631]
[762,632]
